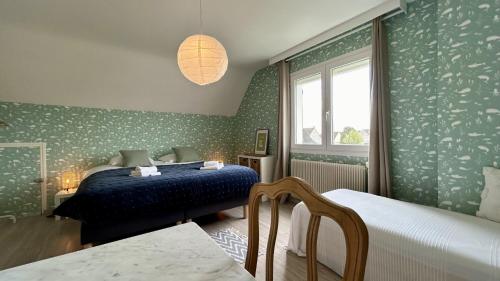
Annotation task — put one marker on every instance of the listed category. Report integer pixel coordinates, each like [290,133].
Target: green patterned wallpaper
[412,71]
[345,45]
[468,99]
[258,109]
[79,138]
[19,195]
[444,112]
[412,49]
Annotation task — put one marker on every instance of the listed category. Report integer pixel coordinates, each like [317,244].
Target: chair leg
[245,211]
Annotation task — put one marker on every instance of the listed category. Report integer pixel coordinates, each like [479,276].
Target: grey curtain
[283,154]
[379,181]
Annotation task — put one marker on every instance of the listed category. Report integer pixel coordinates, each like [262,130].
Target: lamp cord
[201,21]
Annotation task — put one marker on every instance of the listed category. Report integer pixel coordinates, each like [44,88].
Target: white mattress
[407,241]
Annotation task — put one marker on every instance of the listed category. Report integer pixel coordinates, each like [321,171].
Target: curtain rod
[343,35]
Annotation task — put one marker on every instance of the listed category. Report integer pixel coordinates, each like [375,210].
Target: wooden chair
[355,232]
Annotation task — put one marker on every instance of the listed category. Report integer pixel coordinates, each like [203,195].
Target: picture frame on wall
[261,141]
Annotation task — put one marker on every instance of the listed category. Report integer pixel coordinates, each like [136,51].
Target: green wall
[258,109]
[412,45]
[445,102]
[468,99]
[79,138]
[19,195]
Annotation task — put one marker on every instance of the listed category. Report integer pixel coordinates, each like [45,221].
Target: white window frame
[325,69]
[299,75]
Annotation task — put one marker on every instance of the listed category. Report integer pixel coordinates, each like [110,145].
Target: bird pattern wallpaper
[80,138]
[444,92]
[412,52]
[468,100]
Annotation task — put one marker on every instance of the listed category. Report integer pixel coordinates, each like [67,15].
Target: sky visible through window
[350,98]
[309,109]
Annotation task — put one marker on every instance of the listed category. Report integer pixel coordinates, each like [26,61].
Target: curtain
[379,181]
[281,168]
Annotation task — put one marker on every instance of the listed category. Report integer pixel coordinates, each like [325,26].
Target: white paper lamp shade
[202,59]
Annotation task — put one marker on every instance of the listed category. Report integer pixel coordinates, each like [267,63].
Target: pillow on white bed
[490,197]
[169,158]
[118,161]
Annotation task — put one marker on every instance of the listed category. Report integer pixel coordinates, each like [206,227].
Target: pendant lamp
[201,58]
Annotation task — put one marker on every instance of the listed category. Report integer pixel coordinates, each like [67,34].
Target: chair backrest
[355,232]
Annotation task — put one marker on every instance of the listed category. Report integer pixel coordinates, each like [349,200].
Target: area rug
[233,243]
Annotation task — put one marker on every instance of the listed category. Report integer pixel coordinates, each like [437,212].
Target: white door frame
[43,166]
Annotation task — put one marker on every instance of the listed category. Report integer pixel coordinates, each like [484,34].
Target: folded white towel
[145,174]
[211,163]
[217,167]
[152,169]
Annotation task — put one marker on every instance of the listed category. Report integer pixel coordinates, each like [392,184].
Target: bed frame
[99,234]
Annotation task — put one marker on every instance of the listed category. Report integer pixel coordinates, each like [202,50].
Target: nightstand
[263,165]
[62,194]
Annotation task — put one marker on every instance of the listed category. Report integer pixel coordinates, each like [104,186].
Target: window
[331,106]
[308,116]
[350,103]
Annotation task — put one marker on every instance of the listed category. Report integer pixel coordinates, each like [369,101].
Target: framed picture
[261,140]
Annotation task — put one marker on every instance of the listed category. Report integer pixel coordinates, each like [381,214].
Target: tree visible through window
[351,136]
[350,103]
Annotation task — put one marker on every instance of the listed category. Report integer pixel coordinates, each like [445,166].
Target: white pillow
[118,161]
[169,158]
[490,197]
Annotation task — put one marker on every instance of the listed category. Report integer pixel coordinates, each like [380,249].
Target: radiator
[324,176]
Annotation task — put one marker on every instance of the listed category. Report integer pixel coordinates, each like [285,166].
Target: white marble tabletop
[183,252]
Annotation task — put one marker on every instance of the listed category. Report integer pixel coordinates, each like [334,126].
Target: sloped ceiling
[122,53]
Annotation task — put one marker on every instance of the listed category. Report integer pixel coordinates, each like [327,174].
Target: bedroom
[81,81]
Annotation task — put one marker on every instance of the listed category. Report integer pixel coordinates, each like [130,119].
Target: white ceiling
[48,46]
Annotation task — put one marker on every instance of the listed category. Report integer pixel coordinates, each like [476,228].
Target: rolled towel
[217,167]
[139,174]
[210,163]
[148,170]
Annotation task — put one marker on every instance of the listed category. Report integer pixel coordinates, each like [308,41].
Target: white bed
[407,241]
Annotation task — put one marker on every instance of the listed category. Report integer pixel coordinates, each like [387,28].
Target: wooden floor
[37,238]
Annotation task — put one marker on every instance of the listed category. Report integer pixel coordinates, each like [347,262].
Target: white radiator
[324,176]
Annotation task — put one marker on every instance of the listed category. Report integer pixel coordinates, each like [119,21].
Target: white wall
[45,68]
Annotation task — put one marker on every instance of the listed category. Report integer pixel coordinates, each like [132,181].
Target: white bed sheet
[406,241]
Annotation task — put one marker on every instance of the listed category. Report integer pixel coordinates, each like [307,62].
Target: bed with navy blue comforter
[112,205]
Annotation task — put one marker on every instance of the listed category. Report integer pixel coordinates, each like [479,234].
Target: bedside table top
[64,192]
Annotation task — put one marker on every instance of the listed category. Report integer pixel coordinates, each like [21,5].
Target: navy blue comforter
[113,195]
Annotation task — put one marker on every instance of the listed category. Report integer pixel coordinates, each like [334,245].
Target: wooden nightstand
[62,194]
[263,165]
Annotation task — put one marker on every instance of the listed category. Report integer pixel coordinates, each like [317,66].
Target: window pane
[350,100]
[308,110]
